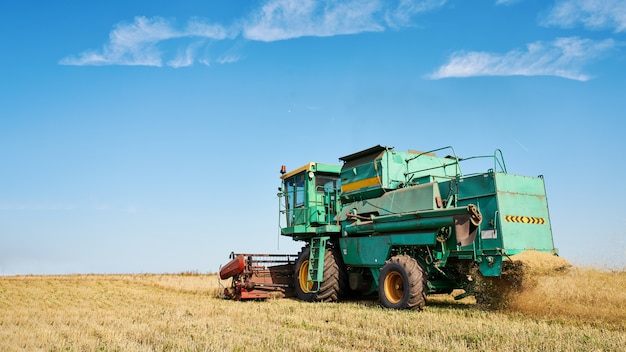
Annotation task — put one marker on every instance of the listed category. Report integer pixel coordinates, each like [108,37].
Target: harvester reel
[402,284]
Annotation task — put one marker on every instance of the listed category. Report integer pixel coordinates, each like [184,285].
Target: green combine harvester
[400,224]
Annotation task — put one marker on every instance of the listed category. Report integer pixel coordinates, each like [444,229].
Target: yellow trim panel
[348,187]
[306,167]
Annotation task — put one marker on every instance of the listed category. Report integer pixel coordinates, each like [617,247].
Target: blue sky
[147,136]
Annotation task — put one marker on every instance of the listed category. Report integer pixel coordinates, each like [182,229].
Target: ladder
[316,261]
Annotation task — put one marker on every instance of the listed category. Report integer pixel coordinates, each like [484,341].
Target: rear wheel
[333,283]
[402,284]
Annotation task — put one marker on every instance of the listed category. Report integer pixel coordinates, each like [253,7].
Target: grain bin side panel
[515,214]
[524,214]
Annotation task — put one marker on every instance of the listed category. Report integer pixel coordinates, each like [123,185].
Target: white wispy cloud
[148,41]
[563,57]
[137,43]
[287,19]
[592,14]
[403,13]
[187,55]
[228,59]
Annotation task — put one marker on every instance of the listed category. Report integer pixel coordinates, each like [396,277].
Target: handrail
[498,161]
[454,157]
[502,166]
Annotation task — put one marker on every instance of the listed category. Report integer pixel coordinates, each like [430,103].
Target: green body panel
[373,251]
[391,170]
[515,211]
[326,168]
[303,231]
[524,217]
[419,197]
[515,218]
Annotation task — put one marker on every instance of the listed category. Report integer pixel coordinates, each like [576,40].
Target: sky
[147,136]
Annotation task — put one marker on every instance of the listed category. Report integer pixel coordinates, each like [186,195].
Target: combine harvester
[400,224]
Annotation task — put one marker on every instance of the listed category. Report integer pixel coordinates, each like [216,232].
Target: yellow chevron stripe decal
[372,181]
[525,219]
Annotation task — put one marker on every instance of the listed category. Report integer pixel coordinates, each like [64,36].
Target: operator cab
[310,197]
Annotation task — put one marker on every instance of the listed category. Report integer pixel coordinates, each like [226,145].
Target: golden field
[578,310]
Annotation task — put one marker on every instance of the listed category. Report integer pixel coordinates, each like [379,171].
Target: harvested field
[581,309]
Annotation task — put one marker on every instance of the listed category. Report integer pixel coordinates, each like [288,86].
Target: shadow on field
[448,302]
[439,301]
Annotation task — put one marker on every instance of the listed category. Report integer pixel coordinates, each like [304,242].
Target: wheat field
[580,310]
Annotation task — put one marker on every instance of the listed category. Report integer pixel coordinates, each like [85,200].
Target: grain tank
[406,224]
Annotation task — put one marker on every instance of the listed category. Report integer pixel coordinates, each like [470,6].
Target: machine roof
[376,149]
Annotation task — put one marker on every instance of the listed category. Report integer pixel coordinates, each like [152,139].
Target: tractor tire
[402,284]
[333,284]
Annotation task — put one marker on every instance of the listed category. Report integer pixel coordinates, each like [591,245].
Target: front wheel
[402,284]
[334,281]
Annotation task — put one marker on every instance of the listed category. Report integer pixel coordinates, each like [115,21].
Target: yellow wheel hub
[303,277]
[394,287]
